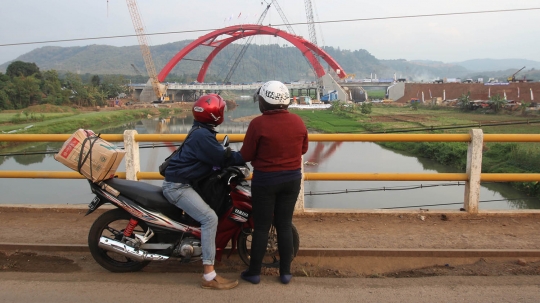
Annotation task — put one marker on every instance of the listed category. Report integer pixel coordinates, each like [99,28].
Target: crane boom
[310,22]
[136,69]
[244,48]
[143,43]
[312,35]
[513,77]
[283,17]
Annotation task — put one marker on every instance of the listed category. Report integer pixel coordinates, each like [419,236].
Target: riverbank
[497,157]
[51,119]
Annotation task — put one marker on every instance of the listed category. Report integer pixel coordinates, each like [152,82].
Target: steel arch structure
[236,32]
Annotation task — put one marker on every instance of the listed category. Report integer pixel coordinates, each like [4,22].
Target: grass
[497,157]
[21,118]
[67,122]
[376,94]
[328,122]
[392,118]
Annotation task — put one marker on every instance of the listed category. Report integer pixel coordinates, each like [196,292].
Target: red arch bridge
[236,32]
[220,38]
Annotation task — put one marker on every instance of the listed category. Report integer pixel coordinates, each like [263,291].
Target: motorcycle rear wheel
[271,258]
[111,224]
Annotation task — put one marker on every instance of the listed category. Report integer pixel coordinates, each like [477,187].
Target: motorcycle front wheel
[271,258]
[111,224]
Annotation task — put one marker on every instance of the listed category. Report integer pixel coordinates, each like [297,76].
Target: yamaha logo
[241,213]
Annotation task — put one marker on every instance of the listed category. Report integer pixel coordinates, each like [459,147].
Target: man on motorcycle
[200,153]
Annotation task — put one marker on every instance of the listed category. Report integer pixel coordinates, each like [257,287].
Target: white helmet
[275,93]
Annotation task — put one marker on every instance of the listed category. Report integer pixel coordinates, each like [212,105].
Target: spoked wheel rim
[111,225]
[271,257]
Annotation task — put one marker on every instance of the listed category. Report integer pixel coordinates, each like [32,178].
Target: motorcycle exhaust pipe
[128,251]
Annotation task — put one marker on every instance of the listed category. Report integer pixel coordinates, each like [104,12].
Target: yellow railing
[472,176]
[312,137]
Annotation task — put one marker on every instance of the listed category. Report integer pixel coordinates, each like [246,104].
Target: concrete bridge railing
[472,176]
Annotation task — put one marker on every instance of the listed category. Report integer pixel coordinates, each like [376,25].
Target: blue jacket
[200,153]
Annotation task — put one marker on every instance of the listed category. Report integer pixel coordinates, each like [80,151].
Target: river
[323,157]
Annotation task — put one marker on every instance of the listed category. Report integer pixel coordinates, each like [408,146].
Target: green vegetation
[376,94]
[497,157]
[58,123]
[24,85]
[465,102]
[497,103]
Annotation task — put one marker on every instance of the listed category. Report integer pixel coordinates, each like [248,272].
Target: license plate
[92,206]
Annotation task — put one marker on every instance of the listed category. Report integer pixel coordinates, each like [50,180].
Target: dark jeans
[273,202]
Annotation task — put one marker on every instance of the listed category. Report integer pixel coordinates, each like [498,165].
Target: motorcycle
[145,227]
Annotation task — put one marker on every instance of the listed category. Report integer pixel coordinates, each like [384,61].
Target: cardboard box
[99,158]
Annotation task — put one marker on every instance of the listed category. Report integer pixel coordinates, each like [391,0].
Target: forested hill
[260,62]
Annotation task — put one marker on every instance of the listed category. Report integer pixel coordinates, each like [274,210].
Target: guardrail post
[133,163]
[474,170]
[299,207]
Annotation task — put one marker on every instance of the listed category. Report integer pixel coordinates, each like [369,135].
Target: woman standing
[274,143]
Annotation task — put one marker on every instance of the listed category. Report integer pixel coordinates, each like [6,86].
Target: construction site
[439,93]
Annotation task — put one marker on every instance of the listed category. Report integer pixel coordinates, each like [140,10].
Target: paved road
[183,287]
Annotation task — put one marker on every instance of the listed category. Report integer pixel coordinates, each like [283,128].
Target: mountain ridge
[260,61]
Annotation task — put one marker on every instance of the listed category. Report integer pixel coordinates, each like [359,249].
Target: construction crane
[310,22]
[137,71]
[159,89]
[513,77]
[312,37]
[244,48]
[283,17]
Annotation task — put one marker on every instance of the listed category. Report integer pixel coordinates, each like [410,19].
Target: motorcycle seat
[147,195]
[150,197]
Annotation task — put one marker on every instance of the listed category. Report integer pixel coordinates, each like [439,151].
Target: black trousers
[275,202]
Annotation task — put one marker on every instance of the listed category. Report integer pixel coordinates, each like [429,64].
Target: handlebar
[238,170]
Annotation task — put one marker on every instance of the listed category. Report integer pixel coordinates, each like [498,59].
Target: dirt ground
[435,231]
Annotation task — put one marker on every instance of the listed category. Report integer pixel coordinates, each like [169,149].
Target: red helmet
[209,109]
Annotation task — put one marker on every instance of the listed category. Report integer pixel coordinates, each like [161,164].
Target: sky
[452,38]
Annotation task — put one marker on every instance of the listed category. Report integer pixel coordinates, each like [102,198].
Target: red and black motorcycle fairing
[170,224]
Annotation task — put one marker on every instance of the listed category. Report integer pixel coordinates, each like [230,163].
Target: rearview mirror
[226,141]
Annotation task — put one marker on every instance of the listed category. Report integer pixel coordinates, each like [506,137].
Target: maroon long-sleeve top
[275,141]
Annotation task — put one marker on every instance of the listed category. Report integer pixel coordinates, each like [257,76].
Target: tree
[5,103]
[24,91]
[523,107]
[112,86]
[465,101]
[497,102]
[20,68]
[52,87]
[365,108]
[95,81]
[78,92]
